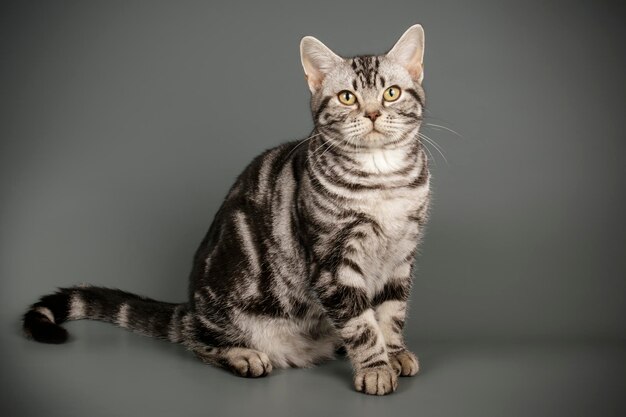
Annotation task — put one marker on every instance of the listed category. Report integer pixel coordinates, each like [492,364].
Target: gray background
[122,125]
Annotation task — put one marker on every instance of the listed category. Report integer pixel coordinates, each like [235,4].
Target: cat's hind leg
[249,363]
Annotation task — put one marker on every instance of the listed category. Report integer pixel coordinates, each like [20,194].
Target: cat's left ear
[409,52]
[317,60]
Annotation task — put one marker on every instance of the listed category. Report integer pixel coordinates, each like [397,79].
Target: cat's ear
[409,52]
[317,60]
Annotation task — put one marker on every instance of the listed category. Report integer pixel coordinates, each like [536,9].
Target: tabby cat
[312,250]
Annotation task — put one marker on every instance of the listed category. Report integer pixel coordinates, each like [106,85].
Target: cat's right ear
[317,60]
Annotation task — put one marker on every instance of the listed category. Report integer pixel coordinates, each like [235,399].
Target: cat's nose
[372,115]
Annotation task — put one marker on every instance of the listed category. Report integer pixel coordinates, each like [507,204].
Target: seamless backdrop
[123,124]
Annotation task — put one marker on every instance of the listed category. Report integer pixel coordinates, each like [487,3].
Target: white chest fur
[383,255]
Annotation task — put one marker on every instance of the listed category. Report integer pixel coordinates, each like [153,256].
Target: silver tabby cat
[313,247]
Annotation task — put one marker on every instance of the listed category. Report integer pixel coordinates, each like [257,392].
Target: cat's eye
[346,97]
[392,93]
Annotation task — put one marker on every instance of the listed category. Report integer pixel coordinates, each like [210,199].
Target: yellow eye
[392,93]
[346,97]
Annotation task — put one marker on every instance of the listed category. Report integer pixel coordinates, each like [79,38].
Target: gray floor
[105,371]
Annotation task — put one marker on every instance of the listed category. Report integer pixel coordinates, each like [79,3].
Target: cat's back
[259,182]
[256,209]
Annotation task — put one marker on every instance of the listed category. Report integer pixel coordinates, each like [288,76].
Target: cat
[313,248]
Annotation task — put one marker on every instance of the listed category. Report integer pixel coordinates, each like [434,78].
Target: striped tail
[139,314]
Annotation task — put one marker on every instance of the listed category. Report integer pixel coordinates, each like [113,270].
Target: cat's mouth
[373,129]
[375,135]
[378,131]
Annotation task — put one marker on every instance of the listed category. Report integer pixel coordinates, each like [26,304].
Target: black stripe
[395,348]
[58,303]
[208,337]
[374,364]
[393,290]
[373,355]
[398,324]
[352,265]
[337,179]
[411,256]
[344,303]
[366,69]
[416,96]
[320,188]
[422,178]
[409,115]
[361,339]
[322,106]
[354,170]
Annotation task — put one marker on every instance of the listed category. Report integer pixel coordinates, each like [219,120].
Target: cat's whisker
[445,128]
[430,141]
[314,153]
[301,142]
[326,150]
[435,144]
[432,158]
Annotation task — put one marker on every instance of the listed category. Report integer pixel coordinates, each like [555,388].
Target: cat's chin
[376,139]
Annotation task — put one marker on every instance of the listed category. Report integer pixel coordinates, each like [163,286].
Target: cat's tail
[139,314]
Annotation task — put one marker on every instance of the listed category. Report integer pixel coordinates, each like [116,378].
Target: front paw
[376,381]
[405,363]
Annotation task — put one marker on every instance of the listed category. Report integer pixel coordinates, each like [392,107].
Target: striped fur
[311,251]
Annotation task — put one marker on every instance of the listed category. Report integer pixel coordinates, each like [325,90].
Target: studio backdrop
[124,124]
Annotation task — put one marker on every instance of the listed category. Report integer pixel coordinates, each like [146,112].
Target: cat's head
[366,101]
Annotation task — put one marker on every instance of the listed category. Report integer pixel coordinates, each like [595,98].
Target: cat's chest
[392,211]
[395,237]
[390,214]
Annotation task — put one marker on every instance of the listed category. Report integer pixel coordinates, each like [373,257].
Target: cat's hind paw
[248,363]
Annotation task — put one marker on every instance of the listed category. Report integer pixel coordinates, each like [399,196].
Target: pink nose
[372,115]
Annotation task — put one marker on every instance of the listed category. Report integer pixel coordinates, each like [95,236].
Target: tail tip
[41,329]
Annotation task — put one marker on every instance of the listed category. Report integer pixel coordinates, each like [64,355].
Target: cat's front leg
[391,315]
[344,297]
[390,305]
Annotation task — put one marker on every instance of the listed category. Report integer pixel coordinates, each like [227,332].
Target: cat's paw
[249,363]
[405,363]
[376,381]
